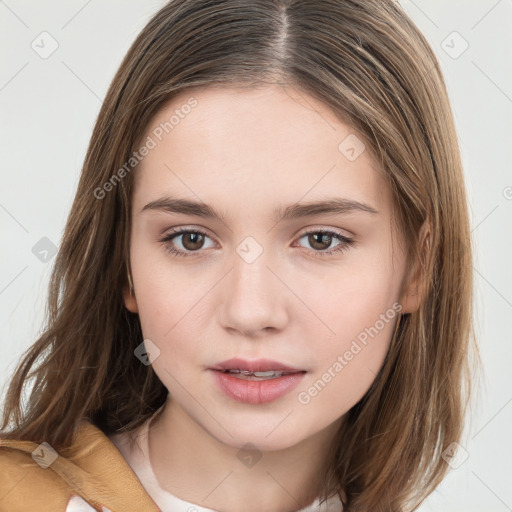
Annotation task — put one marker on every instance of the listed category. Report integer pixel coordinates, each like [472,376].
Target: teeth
[246,374]
[270,373]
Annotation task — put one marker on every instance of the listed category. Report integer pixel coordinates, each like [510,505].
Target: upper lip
[258,365]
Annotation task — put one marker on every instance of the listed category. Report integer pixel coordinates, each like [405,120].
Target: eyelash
[341,247]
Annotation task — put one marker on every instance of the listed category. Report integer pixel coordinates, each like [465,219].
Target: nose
[254,300]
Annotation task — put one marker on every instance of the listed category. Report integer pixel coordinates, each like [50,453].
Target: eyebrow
[332,206]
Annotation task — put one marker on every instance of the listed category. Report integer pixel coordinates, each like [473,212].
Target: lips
[258,365]
[255,382]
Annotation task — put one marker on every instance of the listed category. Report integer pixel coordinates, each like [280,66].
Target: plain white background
[49,106]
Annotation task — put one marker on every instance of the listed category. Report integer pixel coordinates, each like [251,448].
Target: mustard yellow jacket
[33,477]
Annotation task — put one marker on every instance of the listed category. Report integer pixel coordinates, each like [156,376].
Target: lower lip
[256,391]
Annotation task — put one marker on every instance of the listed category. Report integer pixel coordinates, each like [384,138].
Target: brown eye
[192,241]
[320,240]
[185,242]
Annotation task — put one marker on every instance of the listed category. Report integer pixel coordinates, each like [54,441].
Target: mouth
[268,375]
[256,382]
[266,368]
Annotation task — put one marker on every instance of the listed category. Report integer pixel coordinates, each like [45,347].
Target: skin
[246,152]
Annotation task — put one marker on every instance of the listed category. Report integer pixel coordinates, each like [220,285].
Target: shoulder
[25,485]
[35,477]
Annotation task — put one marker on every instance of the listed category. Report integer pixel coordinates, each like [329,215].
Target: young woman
[262,298]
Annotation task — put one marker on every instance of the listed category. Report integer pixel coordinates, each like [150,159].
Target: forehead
[263,142]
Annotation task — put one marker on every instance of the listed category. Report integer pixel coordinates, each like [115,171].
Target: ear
[416,282]
[129,296]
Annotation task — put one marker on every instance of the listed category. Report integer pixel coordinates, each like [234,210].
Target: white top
[139,461]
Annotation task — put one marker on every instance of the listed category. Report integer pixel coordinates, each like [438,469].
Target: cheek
[345,300]
[167,309]
[358,314]
[171,305]
[347,365]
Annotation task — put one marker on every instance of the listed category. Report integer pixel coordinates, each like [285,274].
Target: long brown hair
[371,65]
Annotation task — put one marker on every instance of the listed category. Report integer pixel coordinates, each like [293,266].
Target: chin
[265,435]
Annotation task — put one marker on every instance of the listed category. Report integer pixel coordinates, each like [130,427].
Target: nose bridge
[253,298]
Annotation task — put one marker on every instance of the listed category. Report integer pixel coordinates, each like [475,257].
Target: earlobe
[129,297]
[415,289]
[411,300]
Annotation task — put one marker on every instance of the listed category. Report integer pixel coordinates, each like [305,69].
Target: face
[258,274]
